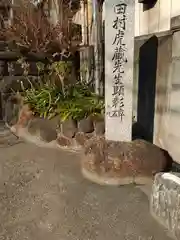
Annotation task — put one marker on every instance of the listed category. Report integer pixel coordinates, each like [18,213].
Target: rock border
[102,162]
[70,134]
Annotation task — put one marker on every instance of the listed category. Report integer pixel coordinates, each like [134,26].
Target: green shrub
[76,102]
[52,95]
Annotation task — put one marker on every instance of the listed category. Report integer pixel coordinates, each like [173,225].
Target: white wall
[156,19]
[175,8]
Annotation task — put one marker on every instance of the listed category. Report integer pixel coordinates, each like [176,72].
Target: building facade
[157,18]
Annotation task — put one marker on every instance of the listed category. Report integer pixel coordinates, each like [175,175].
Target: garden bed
[103,162]
[67,134]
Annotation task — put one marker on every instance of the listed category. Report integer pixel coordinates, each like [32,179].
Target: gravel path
[43,196]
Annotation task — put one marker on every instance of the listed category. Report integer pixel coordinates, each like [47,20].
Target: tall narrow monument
[119,64]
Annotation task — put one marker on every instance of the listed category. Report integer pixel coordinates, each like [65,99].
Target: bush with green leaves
[52,95]
[76,102]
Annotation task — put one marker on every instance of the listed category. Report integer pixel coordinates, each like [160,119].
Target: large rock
[81,138]
[12,109]
[24,116]
[42,128]
[6,137]
[11,113]
[165,202]
[86,125]
[99,127]
[56,122]
[64,141]
[119,163]
[69,128]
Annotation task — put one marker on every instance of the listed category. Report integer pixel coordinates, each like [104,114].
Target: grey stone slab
[119,65]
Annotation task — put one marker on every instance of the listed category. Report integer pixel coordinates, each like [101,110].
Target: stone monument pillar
[119,61]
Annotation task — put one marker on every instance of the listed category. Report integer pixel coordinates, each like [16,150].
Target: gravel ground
[44,196]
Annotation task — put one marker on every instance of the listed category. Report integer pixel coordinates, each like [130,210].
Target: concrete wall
[156,19]
[153,20]
[167,97]
[163,92]
[173,127]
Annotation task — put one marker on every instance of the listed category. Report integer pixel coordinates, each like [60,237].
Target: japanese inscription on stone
[119,53]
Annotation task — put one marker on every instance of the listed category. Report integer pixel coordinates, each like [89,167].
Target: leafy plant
[33,31]
[53,73]
[80,108]
[76,102]
[59,71]
[42,100]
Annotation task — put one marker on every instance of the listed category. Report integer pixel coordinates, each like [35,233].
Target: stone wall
[11,72]
[69,133]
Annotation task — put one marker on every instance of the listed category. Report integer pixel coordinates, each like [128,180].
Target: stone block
[17,70]
[3,45]
[56,122]
[15,83]
[99,127]
[69,128]
[11,111]
[86,125]
[64,141]
[165,202]
[42,128]
[81,138]
[2,65]
[24,116]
